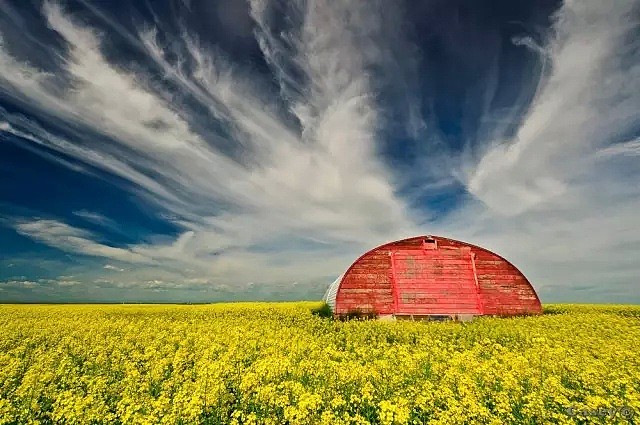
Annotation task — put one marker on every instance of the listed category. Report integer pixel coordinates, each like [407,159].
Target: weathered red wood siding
[435,276]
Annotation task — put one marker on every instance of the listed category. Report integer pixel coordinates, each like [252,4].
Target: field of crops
[277,363]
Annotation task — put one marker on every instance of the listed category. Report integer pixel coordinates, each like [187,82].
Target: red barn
[432,276]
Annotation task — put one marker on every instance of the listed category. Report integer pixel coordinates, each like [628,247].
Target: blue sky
[225,150]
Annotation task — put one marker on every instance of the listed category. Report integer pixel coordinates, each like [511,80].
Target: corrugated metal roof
[332,292]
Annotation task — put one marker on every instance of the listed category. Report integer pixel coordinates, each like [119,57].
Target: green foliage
[359,314]
[324,310]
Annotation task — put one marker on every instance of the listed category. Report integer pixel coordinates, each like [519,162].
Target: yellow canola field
[276,363]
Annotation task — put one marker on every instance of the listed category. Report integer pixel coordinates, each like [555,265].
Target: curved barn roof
[332,291]
[429,275]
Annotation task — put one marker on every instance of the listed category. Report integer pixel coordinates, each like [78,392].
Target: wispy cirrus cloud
[560,196]
[72,239]
[587,100]
[304,190]
[280,177]
[96,218]
[628,148]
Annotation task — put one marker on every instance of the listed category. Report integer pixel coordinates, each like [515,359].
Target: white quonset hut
[332,292]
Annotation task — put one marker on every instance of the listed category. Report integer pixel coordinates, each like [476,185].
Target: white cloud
[295,195]
[96,218]
[68,282]
[67,238]
[590,96]
[19,284]
[560,199]
[322,183]
[110,267]
[629,148]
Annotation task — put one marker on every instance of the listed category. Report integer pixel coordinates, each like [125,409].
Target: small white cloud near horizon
[111,267]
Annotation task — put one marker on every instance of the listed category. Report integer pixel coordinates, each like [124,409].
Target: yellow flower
[261,363]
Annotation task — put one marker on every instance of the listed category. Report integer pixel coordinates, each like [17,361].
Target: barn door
[434,281]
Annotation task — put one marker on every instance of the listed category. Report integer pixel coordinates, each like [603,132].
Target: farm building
[432,276]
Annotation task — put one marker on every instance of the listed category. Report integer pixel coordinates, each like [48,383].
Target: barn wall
[368,283]
[504,290]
